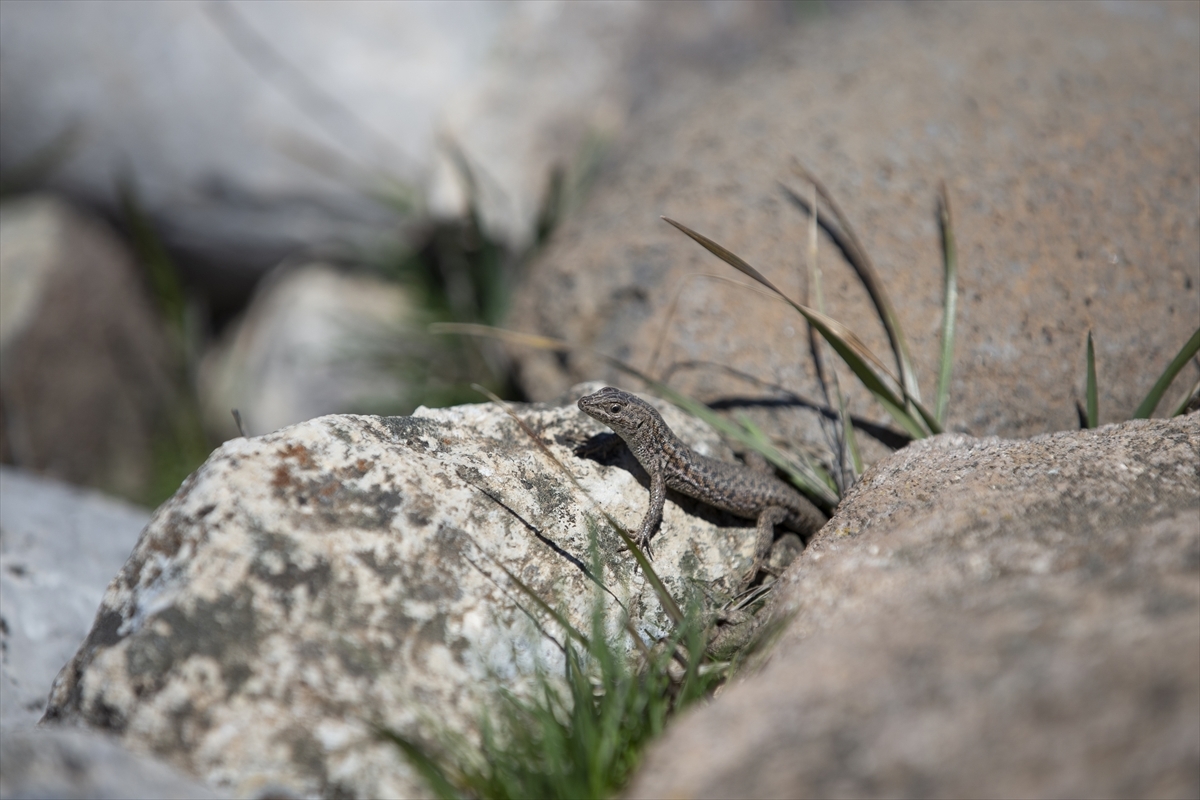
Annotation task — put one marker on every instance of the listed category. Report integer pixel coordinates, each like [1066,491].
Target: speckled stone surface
[981,618]
[350,571]
[1068,135]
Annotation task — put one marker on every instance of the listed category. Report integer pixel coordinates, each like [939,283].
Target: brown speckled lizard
[671,464]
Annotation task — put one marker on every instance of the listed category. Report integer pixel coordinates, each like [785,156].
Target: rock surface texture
[981,618]
[59,548]
[255,130]
[74,764]
[80,341]
[1069,138]
[304,585]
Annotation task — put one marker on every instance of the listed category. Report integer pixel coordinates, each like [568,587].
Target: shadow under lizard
[671,464]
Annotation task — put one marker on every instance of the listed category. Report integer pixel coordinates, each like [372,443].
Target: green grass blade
[844,342]
[949,306]
[545,607]
[931,421]
[1093,401]
[851,439]
[425,766]
[664,597]
[1160,386]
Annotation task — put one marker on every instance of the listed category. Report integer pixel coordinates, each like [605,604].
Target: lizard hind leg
[768,518]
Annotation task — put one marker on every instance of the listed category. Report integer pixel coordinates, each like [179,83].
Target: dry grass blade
[949,304]
[865,269]
[834,434]
[513,337]
[844,342]
[738,263]
[728,256]
[1152,400]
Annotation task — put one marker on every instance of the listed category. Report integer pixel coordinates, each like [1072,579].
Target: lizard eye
[615,408]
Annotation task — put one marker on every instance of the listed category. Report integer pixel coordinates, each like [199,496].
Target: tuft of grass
[581,734]
[1091,417]
[898,396]
[580,737]
[898,393]
[861,361]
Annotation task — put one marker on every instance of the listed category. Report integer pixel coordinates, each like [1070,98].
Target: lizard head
[621,411]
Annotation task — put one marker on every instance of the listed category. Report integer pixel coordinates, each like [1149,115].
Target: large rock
[981,618]
[305,585]
[59,548]
[72,764]
[89,383]
[1068,135]
[252,130]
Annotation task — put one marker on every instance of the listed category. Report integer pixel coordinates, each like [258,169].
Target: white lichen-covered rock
[304,586]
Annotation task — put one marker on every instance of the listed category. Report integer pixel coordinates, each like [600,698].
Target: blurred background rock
[198,146]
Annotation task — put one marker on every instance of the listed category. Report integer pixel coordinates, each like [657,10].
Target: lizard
[671,464]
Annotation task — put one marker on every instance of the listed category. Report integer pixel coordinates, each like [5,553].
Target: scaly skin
[673,465]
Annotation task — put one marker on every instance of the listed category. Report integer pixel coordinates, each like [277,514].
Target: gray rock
[308,345]
[350,571]
[253,130]
[76,764]
[81,343]
[981,618]
[1068,135]
[59,548]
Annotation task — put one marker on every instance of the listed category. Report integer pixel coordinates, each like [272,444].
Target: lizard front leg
[768,518]
[650,523]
